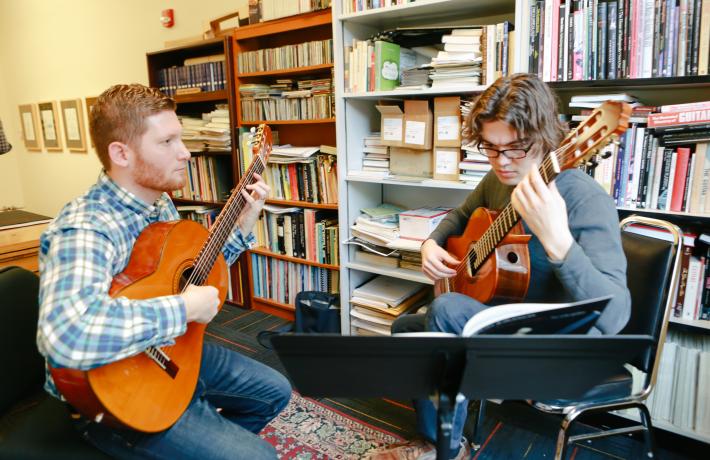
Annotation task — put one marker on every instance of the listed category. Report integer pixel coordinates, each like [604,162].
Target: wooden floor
[512,430]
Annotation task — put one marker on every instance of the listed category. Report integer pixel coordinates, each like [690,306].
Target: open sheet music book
[532,318]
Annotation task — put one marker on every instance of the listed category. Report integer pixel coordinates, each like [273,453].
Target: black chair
[652,277]
[33,425]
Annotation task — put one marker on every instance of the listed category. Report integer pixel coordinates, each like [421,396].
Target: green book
[386,65]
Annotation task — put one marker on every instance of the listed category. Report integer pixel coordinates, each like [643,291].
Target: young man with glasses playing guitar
[575,248]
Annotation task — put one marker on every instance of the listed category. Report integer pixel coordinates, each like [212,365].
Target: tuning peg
[606,154]
[591,164]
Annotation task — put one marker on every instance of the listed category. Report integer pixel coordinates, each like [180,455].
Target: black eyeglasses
[512,154]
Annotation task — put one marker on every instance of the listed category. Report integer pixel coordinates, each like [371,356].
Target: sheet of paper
[392,129]
[446,161]
[447,128]
[29,126]
[48,123]
[414,132]
[71,118]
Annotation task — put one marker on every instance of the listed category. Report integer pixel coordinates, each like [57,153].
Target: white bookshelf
[358,117]
[663,425]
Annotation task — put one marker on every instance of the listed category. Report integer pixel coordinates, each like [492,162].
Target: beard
[151,177]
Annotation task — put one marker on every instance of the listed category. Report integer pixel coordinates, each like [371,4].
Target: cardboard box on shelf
[391,131]
[447,121]
[410,162]
[417,125]
[446,163]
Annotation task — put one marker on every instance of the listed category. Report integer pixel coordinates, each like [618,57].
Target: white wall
[65,49]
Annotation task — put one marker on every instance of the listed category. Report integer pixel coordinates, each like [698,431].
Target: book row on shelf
[679,397]
[354,6]
[274,9]
[206,76]
[451,57]
[308,234]
[286,57]
[599,39]
[313,180]
[641,174]
[279,280]
[209,178]
[312,100]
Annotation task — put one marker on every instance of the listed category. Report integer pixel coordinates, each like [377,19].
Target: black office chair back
[651,280]
[22,365]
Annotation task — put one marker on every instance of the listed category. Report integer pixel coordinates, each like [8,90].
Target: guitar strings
[225,222]
[223,227]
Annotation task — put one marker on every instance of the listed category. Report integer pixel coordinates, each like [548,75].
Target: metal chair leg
[477,440]
[645,417]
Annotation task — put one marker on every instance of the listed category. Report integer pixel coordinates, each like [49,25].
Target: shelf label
[392,129]
[447,128]
[414,132]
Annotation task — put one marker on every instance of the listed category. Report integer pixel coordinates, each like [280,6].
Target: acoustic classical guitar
[493,249]
[148,392]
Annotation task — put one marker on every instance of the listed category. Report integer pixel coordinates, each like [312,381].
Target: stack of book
[217,132]
[592,101]
[375,155]
[312,100]
[191,136]
[460,63]
[474,165]
[378,302]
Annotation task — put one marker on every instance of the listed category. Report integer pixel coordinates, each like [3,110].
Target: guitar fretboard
[223,226]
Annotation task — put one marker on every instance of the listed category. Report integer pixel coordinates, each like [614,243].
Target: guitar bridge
[163,361]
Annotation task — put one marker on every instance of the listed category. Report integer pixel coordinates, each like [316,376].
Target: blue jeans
[250,395]
[447,313]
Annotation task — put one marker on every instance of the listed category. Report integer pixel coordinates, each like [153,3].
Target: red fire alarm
[167,18]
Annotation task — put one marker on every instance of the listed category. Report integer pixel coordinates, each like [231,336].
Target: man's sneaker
[414,450]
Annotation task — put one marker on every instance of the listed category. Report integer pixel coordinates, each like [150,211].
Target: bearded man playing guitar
[138,141]
[575,251]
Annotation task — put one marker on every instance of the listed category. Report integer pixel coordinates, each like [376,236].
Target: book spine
[612,14]
[681,170]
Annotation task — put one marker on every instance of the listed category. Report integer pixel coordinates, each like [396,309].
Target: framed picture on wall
[30,127]
[90,101]
[51,135]
[73,121]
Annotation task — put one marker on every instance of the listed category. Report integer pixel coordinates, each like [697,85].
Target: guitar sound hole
[184,278]
[512,258]
[471,261]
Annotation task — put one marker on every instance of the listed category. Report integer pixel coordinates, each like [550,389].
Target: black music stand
[481,367]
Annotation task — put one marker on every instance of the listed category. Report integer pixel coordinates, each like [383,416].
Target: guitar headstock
[261,142]
[607,122]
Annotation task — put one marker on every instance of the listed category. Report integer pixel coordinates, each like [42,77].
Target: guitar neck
[224,224]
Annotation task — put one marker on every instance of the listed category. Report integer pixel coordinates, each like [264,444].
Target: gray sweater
[595,264]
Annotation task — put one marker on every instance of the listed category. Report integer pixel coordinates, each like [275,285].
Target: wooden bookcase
[312,26]
[202,102]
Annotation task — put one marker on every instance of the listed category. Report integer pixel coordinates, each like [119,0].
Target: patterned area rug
[307,429]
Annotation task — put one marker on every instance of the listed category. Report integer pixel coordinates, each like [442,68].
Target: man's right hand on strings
[201,303]
[435,260]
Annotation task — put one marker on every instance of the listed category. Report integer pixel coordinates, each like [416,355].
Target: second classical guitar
[493,250]
[150,391]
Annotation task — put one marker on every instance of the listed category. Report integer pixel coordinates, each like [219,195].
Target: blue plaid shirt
[82,250]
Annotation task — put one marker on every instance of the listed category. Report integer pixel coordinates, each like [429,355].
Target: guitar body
[506,273]
[136,392]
